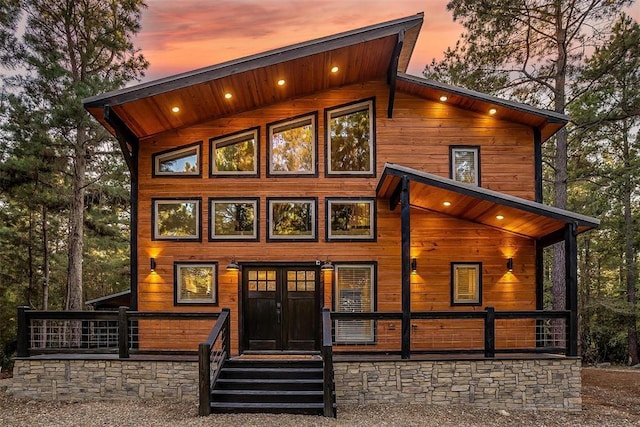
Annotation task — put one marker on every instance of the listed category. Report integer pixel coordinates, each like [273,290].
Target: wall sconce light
[152,264]
[327,266]
[510,264]
[233,265]
[414,266]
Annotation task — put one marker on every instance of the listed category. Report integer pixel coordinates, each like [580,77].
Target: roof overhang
[364,54]
[548,122]
[112,301]
[480,205]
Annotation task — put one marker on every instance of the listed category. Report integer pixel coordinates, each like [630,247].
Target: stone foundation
[104,379]
[553,384]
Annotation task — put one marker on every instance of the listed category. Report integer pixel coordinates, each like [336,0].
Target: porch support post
[571,272]
[405,225]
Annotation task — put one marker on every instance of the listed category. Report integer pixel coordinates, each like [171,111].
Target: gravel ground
[611,398]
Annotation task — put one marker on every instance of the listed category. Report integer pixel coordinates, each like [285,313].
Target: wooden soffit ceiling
[480,205]
[252,82]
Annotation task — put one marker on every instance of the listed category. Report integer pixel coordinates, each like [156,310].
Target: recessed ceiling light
[446,203]
[281,82]
[443,98]
[228,95]
[493,111]
[499,217]
[334,69]
[175,109]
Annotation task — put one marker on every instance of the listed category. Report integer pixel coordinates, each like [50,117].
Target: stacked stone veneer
[553,384]
[105,379]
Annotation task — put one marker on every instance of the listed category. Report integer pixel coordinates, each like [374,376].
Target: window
[183,161]
[466,283]
[465,164]
[350,140]
[355,293]
[195,282]
[351,219]
[292,219]
[235,154]
[292,147]
[233,219]
[176,219]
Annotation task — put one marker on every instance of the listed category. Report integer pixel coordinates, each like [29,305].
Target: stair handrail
[327,358]
[215,350]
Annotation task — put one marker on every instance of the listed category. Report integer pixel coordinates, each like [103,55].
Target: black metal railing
[211,357]
[104,332]
[327,363]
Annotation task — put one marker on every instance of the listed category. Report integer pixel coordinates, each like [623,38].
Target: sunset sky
[183,35]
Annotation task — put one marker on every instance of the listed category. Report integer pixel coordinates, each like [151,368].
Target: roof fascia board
[490,195]
[392,74]
[108,297]
[551,116]
[252,62]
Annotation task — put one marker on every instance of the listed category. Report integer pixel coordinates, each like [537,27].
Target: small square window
[465,164]
[233,219]
[235,154]
[351,139]
[182,161]
[176,219]
[292,147]
[466,283]
[292,219]
[195,282]
[351,219]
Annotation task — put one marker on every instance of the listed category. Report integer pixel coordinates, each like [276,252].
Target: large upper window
[292,146]
[176,219]
[351,219]
[354,293]
[350,139]
[465,164]
[235,154]
[233,219]
[182,161]
[195,282]
[466,283]
[292,219]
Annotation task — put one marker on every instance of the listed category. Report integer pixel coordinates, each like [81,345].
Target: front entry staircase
[271,386]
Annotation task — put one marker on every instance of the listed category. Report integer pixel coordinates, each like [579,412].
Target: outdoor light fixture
[152,264]
[281,82]
[334,69]
[175,109]
[443,98]
[414,266]
[446,203]
[510,264]
[493,111]
[233,265]
[327,266]
[228,95]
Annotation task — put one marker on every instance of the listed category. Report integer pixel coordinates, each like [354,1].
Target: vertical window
[465,164]
[195,283]
[182,161]
[466,283]
[176,219]
[235,154]
[350,219]
[350,140]
[354,293]
[233,219]
[292,219]
[292,147]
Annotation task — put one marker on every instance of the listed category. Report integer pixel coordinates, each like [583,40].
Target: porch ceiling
[480,205]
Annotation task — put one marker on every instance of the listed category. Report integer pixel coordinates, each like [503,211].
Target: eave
[480,205]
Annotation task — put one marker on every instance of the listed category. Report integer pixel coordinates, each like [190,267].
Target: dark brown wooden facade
[412,129]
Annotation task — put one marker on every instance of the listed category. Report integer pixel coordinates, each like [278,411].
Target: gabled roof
[481,205]
[112,301]
[363,54]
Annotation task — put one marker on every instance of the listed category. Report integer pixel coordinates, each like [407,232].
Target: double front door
[281,307]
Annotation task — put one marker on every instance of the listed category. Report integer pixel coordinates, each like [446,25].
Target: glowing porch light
[228,95]
[499,217]
[281,82]
[443,98]
[334,69]
[493,111]
[446,203]
[175,109]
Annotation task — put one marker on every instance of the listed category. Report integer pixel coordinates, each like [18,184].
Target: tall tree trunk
[76,226]
[46,267]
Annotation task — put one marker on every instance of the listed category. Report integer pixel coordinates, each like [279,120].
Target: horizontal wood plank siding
[418,136]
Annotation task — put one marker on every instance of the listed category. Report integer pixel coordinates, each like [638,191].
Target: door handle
[278,312]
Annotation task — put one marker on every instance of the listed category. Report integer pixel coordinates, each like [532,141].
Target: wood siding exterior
[418,136]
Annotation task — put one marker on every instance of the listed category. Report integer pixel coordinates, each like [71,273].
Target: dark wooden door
[281,307]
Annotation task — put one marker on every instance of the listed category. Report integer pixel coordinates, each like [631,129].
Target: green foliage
[350,142]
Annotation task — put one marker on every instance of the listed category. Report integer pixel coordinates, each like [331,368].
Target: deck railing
[327,362]
[448,332]
[105,332]
[211,356]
